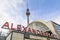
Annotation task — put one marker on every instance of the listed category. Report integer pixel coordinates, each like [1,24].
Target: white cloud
[57,20]
[11,11]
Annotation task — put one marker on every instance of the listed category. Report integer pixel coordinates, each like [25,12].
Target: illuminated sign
[27,29]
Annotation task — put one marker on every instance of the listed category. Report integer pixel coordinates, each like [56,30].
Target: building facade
[49,27]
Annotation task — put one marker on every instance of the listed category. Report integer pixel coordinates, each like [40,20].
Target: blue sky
[14,11]
[45,9]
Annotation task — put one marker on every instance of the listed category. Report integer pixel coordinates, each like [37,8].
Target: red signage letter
[12,27]
[6,25]
[19,28]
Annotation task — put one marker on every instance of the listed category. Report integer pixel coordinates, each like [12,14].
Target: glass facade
[57,27]
[39,26]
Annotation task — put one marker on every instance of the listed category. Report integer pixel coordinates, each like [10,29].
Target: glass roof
[39,26]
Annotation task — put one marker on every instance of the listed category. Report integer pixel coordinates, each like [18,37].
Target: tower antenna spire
[27,4]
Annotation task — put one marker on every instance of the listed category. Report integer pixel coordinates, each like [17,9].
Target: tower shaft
[27,14]
[27,20]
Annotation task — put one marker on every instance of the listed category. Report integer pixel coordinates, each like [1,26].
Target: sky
[45,9]
[14,11]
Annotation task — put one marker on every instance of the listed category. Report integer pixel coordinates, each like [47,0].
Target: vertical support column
[5,38]
[48,38]
[26,36]
[11,35]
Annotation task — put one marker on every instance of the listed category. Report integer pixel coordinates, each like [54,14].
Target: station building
[49,27]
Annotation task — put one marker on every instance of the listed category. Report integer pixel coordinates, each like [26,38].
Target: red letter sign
[6,25]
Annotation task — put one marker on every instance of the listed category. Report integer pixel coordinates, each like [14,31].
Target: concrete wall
[8,38]
[32,37]
[20,36]
[2,38]
[17,36]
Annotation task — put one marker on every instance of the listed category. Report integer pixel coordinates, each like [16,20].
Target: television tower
[27,14]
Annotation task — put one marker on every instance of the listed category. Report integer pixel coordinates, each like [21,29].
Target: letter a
[6,25]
